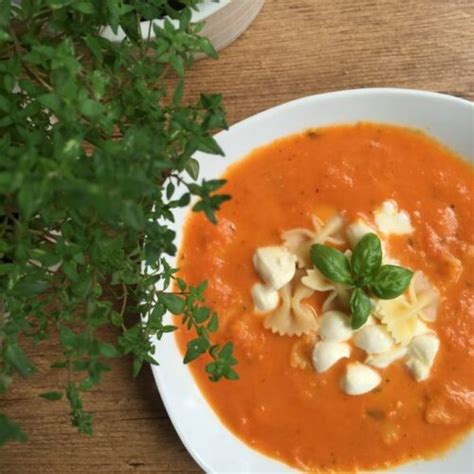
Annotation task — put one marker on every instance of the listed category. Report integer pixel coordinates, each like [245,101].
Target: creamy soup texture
[283,405]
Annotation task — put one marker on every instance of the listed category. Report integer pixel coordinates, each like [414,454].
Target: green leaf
[174,304]
[192,168]
[90,108]
[52,395]
[70,340]
[367,256]
[226,351]
[5,12]
[178,92]
[169,190]
[168,328]
[10,431]
[9,82]
[137,365]
[5,105]
[108,350]
[207,48]
[201,314]
[50,101]
[99,82]
[360,308]
[15,356]
[28,287]
[209,145]
[177,64]
[86,384]
[184,200]
[332,263]
[181,284]
[79,417]
[213,184]
[195,348]
[213,323]
[230,374]
[185,19]
[116,319]
[390,281]
[133,216]
[84,7]
[28,201]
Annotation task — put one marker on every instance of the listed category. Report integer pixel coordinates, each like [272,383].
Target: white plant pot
[224,21]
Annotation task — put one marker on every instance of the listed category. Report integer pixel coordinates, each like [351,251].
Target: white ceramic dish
[448,119]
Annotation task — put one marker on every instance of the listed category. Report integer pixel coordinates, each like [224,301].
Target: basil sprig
[364,272]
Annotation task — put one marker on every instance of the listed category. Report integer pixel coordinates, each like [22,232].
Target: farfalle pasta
[403,315]
[338,296]
[292,317]
[423,295]
[299,241]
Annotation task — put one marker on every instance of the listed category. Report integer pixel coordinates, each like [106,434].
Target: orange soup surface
[295,414]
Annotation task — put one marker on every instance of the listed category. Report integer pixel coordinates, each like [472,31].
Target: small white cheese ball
[357,229]
[373,339]
[335,326]
[419,370]
[359,379]
[383,360]
[327,353]
[275,265]
[264,297]
[390,221]
[421,354]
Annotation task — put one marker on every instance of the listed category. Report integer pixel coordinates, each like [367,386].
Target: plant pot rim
[204,11]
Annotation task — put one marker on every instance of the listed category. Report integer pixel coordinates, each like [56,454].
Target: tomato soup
[297,415]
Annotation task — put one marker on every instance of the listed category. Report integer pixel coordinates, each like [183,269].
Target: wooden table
[294,48]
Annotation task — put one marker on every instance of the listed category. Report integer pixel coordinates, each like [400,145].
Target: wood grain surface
[294,48]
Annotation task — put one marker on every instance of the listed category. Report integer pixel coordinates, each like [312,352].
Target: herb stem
[124,300]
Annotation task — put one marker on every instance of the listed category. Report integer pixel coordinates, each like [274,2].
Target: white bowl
[448,119]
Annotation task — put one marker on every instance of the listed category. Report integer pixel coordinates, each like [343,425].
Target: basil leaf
[332,263]
[367,256]
[360,308]
[390,281]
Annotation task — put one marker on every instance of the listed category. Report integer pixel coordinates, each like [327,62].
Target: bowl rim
[246,122]
[364,91]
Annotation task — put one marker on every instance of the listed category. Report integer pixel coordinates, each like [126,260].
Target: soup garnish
[364,282]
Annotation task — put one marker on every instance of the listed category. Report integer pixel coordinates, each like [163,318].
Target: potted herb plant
[222,21]
[94,137]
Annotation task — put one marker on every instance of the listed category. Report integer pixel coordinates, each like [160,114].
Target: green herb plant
[364,272]
[96,151]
